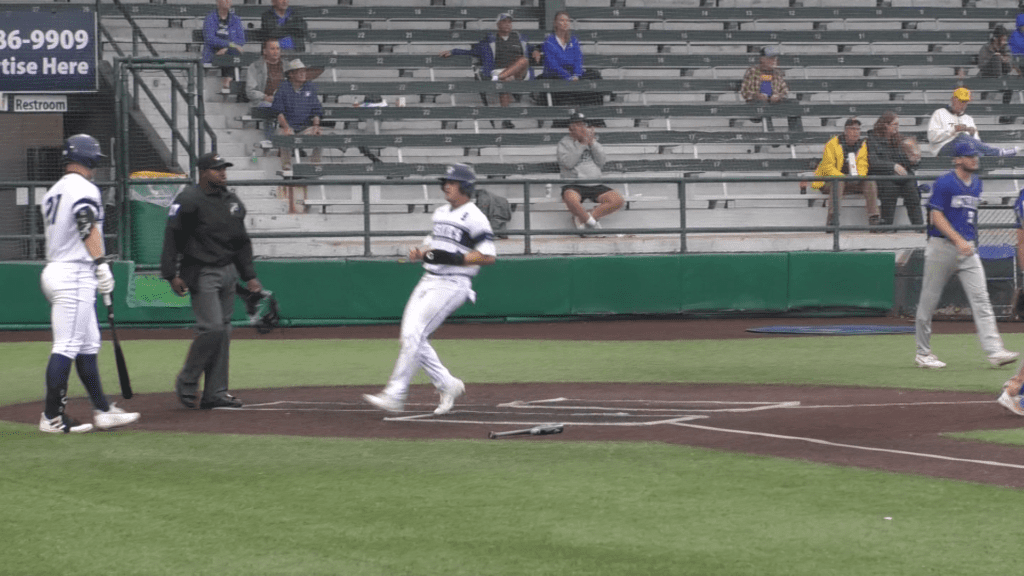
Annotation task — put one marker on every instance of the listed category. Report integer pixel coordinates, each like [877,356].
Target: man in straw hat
[298,107]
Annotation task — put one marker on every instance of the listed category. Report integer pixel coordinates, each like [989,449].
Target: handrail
[602,61]
[680,183]
[178,89]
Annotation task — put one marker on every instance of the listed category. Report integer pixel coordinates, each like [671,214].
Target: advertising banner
[48,51]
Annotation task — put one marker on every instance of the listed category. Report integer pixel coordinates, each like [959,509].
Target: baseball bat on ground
[535,431]
[122,368]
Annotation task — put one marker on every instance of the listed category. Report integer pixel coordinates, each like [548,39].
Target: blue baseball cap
[964,148]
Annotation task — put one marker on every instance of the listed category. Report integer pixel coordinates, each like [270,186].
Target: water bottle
[253,160]
[851,160]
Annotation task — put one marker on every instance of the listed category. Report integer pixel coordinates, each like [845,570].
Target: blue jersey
[1018,209]
[958,202]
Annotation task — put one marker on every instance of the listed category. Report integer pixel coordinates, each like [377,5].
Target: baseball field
[689,447]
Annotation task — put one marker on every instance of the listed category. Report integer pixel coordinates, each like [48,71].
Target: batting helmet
[462,174]
[82,149]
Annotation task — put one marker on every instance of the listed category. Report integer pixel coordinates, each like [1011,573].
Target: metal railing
[532,190]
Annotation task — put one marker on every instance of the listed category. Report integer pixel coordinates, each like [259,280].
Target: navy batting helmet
[462,174]
[82,149]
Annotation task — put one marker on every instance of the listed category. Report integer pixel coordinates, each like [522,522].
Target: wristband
[443,257]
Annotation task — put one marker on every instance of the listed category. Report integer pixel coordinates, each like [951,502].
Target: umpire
[206,249]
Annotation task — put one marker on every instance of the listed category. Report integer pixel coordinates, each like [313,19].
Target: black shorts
[586,192]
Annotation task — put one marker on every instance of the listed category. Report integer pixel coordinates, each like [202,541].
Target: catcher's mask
[261,307]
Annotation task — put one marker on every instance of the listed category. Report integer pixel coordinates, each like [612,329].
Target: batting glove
[105,279]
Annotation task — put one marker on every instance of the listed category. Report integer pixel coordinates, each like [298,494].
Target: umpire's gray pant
[213,301]
[941,262]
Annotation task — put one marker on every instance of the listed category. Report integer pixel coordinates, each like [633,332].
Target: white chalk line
[426,419]
[853,446]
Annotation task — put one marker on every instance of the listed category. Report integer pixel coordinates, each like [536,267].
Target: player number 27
[51,208]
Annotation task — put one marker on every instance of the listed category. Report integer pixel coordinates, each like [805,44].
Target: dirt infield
[891,430]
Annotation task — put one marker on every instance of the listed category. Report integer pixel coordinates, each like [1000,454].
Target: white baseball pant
[71,289]
[941,262]
[432,301]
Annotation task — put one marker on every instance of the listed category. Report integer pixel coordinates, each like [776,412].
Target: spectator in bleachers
[766,84]
[563,59]
[298,109]
[581,156]
[994,58]
[835,161]
[995,61]
[1016,42]
[951,124]
[503,56]
[223,35]
[887,156]
[262,78]
[282,24]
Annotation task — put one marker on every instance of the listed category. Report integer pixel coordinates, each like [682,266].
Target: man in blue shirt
[281,23]
[298,108]
[952,234]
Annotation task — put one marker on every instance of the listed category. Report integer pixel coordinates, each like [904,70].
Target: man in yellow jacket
[836,162]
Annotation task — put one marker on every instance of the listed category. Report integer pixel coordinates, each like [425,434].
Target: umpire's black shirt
[206,227]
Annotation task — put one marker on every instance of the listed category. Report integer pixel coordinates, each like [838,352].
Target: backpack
[497,210]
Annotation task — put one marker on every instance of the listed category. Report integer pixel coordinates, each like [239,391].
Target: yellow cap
[962,94]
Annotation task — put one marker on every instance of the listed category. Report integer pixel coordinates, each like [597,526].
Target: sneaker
[929,361]
[448,396]
[507,125]
[113,417]
[384,402]
[576,222]
[224,401]
[1002,358]
[186,393]
[62,424]
[1012,403]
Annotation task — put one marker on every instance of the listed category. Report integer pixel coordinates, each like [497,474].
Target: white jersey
[70,194]
[460,230]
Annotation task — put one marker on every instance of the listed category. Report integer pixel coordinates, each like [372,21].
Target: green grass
[188,504]
[880,361]
[153,504]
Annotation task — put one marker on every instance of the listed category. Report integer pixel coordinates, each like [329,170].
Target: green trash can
[148,212]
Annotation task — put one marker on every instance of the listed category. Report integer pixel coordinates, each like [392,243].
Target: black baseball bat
[122,368]
[535,431]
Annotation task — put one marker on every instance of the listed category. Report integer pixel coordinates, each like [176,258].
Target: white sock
[590,221]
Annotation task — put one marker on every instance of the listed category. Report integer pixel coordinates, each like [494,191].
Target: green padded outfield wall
[361,291]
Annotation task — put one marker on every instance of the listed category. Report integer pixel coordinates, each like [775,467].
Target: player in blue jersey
[1011,397]
[460,243]
[952,235]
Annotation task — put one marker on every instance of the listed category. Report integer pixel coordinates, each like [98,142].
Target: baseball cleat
[929,361]
[223,401]
[384,402]
[1012,403]
[62,424]
[448,396]
[113,418]
[1002,358]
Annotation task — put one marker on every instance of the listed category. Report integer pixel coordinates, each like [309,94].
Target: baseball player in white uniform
[76,269]
[459,244]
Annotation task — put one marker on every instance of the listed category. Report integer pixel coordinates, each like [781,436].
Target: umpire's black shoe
[186,393]
[225,401]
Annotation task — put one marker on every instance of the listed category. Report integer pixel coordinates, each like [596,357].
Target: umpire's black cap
[212,160]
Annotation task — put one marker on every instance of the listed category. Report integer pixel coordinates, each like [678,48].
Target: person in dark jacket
[887,157]
[281,23]
[206,249]
[503,56]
